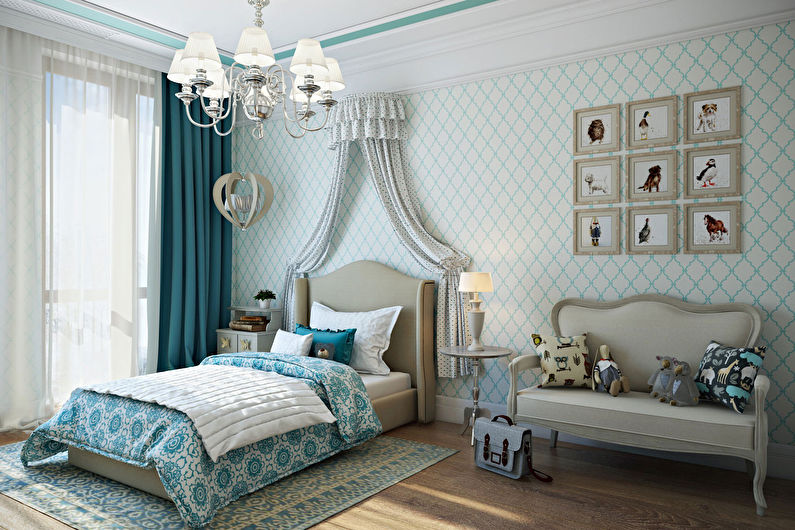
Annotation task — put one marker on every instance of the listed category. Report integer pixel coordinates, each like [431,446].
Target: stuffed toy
[606,375]
[662,379]
[665,363]
[683,391]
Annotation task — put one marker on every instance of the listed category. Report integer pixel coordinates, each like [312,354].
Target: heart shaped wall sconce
[245,208]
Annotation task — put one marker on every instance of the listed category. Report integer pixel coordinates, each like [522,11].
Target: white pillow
[373,332]
[292,343]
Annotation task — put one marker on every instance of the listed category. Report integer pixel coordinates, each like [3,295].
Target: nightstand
[232,340]
[488,352]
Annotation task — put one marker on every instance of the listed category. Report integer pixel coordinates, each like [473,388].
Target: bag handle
[503,416]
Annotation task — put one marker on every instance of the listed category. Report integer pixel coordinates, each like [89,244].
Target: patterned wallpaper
[493,160]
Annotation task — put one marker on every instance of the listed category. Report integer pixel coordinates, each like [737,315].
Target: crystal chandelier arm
[202,125]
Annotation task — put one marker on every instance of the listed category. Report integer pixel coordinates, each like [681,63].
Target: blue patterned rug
[84,500]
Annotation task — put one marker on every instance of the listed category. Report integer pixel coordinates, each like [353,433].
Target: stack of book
[250,323]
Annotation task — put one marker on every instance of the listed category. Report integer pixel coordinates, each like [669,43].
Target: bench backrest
[639,328]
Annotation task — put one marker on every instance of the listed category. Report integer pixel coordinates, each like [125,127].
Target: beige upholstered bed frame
[359,286]
[367,285]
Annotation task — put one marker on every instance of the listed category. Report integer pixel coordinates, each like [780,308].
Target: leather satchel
[505,448]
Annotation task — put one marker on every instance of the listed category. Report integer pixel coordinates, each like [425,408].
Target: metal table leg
[472,413]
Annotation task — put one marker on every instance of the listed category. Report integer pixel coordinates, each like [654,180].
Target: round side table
[488,352]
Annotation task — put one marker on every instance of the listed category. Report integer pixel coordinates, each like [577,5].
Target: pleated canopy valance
[377,115]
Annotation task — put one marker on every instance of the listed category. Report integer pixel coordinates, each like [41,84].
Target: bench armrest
[520,364]
[761,388]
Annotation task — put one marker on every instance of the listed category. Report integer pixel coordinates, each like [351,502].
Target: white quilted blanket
[230,406]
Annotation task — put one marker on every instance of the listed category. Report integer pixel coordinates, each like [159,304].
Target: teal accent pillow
[336,345]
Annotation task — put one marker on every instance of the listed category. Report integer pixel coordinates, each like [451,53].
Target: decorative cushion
[373,332]
[564,360]
[336,345]
[286,342]
[726,375]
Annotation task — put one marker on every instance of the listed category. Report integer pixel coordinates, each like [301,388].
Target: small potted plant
[264,298]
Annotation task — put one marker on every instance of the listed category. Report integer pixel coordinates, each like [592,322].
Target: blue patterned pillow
[331,344]
[726,375]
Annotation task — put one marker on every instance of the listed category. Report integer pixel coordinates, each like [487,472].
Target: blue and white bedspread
[149,435]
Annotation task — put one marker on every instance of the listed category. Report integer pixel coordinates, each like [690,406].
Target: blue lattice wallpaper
[492,161]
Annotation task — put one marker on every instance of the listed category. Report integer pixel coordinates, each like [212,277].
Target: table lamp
[475,282]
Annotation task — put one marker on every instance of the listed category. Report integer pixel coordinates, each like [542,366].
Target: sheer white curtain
[91,168]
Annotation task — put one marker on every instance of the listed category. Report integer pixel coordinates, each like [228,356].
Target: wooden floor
[592,488]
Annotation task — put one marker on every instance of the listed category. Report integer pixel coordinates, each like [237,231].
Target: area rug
[85,500]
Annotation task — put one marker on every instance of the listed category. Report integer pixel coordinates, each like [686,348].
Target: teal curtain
[196,246]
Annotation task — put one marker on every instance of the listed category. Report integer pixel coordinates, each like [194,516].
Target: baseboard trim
[780,457]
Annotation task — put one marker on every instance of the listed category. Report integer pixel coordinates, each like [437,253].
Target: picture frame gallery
[652,175]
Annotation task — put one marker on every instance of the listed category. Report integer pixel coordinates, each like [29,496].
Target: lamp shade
[332,80]
[475,282]
[220,88]
[200,52]
[177,72]
[308,59]
[254,48]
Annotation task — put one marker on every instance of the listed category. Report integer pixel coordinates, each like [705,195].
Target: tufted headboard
[367,285]
[639,328]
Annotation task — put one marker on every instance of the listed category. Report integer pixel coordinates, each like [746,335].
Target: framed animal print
[712,228]
[652,122]
[596,180]
[596,231]
[596,130]
[652,229]
[712,115]
[712,171]
[652,176]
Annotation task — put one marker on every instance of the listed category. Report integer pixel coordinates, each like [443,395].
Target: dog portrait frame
[721,153]
[614,216]
[671,224]
[692,121]
[671,162]
[732,245]
[588,194]
[611,112]
[670,104]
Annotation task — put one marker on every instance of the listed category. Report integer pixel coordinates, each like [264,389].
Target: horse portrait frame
[727,214]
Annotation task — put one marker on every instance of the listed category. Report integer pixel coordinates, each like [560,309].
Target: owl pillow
[564,360]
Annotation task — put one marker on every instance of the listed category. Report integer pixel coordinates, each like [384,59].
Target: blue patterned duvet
[149,435]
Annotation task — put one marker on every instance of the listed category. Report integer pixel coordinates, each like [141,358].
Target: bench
[637,329]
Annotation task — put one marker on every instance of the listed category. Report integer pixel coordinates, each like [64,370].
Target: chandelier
[255,83]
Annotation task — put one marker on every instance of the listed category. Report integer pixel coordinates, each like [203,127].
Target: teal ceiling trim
[394,24]
[158,37]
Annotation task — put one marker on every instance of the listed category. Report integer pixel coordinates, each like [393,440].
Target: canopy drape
[377,122]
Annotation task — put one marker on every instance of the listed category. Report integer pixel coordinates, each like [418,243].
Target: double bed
[160,451]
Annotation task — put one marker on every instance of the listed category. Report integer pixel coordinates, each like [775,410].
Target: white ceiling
[491,39]
[286,21]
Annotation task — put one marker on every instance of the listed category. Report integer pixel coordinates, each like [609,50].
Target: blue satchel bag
[505,448]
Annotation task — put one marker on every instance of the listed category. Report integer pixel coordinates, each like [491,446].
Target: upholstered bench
[638,329]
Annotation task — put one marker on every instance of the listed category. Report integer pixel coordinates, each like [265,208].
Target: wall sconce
[242,209]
